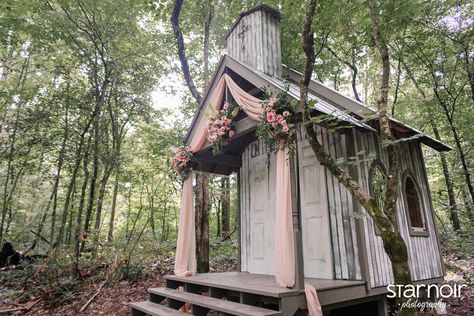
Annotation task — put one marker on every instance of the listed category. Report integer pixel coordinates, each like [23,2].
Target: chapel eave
[329,102]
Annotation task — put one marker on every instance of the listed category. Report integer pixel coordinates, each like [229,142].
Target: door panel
[314,215]
[261,217]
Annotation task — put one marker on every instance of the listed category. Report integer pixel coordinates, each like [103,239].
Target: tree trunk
[71,213]
[100,204]
[110,235]
[469,66]
[352,66]
[93,182]
[9,172]
[458,144]
[202,223]
[225,206]
[182,52]
[202,182]
[79,232]
[385,219]
[164,222]
[393,242]
[69,193]
[129,211]
[218,215]
[6,194]
[453,208]
[207,23]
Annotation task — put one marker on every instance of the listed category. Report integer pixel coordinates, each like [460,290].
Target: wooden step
[243,282]
[152,309]
[209,303]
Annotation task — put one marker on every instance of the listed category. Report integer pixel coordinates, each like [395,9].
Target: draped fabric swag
[185,261]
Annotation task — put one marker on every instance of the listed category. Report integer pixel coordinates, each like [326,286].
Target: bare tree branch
[182,52]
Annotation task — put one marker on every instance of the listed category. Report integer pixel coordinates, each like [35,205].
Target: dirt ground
[114,300]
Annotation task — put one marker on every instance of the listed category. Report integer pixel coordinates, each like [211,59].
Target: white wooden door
[315,226]
[261,216]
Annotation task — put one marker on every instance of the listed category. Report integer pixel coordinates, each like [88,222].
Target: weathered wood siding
[424,255]
[255,41]
[258,255]
[341,210]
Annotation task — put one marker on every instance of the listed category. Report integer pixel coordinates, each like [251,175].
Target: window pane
[414,205]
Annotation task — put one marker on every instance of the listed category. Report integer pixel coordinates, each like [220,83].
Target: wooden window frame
[412,230]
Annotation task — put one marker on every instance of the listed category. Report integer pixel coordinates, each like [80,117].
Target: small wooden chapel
[337,247]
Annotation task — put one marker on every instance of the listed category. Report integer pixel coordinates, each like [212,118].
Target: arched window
[414,205]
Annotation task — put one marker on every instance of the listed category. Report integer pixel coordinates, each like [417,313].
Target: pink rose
[275,125]
[286,129]
[272,101]
[231,133]
[271,116]
[226,105]
[280,118]
[286,113]
[229,121]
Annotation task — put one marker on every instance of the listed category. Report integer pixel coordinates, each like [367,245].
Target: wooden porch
[241,293]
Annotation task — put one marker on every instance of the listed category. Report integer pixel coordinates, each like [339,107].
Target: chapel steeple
[255,39]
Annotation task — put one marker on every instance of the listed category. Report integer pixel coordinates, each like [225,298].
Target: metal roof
[321,105]
[328,101]
[354,107]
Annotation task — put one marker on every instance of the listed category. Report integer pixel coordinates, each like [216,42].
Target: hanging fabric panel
[185,261]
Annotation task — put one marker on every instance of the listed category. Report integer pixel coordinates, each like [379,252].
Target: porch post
[239,223]
[296,212]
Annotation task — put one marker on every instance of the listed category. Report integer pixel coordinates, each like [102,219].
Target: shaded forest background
[85,175]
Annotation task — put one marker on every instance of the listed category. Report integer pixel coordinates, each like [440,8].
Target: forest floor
[115,295]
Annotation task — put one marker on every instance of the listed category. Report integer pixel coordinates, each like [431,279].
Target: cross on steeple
[244,28]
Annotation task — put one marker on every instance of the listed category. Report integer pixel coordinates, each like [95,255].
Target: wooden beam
[224,159]
[296,216]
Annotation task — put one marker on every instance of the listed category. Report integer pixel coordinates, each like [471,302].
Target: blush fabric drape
[284,241]
[185,260]
[312,300]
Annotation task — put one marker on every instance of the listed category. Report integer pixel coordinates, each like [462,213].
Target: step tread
[155,309]
[238,281]
[214,303]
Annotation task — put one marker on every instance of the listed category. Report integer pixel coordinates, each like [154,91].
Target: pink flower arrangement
[182,161]
[277,125]
[221,128]
[272,115]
